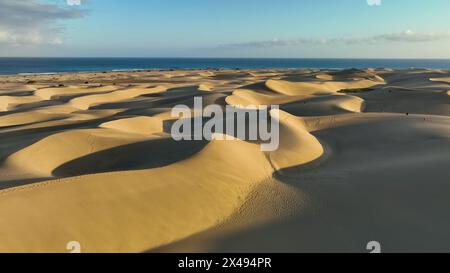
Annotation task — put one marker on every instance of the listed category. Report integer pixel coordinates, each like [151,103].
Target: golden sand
[88,157]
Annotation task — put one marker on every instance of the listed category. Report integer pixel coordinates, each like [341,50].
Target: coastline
[14,66]
[218,69]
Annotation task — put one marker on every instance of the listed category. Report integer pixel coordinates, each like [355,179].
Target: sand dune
[325,77]
[246,97]
[146,207]
[16,89]
[86,102]
[297,147]
[72,91]
[304,105]
[363,156]
[8,103]
[447,80]
[137,125]
[316,88]
[46,155]
[330,83]
[395,100]
[28,118]
[227,188]
[384,178]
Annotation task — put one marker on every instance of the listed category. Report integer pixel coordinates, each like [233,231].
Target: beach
[89,157]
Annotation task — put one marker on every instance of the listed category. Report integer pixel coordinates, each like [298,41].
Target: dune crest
[43,157]
[136,125]
[150,208]
[168,197]
[8,103]
[447,79]
[92,161]
[316,88]
[299,104]
[29,118]
[86,102]
[298,146]
[56,93]
[250,97]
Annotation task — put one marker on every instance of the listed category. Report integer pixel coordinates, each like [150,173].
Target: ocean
[10,66]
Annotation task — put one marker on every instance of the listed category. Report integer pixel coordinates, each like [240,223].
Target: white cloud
[407,36]
[31,22]
[74,2]
[374,2]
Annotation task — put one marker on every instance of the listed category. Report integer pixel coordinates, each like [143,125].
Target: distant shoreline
[32,66]
[127,71]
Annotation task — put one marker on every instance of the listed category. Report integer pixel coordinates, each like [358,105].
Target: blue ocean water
[58,65]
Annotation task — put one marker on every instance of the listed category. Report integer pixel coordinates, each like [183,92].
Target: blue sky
[226,28]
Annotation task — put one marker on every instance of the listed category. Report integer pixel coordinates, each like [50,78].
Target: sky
[225,28]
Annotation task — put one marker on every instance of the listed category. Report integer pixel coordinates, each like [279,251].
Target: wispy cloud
[31,22]
[405,36]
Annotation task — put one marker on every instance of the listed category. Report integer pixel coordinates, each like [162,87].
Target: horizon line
[225,58]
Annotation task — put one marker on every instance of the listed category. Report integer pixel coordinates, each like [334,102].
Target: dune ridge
[138,125]
[232,185]
[316,88]
[88,157]
[86,102]
[60,93]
